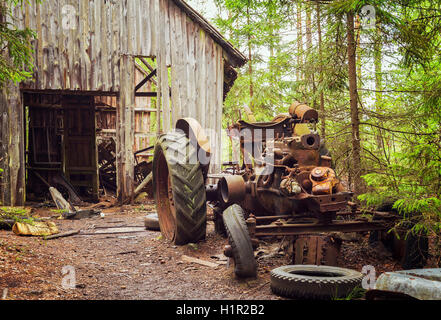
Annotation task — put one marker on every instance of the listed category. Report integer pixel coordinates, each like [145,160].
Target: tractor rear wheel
[179,189]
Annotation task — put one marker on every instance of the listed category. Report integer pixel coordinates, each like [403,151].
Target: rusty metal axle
[287,229]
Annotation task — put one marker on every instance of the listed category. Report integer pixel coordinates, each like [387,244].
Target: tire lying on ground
[179,189]
[314,282]
[245,264]
[151,222]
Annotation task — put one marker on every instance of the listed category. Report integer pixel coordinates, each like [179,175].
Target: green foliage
[16,60]
[399,87]
[16,214]
[264,84]
[356,294]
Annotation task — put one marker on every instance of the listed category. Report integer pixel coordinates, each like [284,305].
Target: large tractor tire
[245,265]
[314,282]
[179,189]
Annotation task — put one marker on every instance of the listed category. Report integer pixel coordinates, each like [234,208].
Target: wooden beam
[125,134]
[146,94]
[144,61]
[12,179]
[140,84]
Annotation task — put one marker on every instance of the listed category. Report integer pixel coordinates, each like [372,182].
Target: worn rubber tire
[306,285]
[151,222]
[245,265]
[188,188]
[219,226]
[415,252]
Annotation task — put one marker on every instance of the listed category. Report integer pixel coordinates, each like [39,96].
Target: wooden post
[125,134]
[12,179]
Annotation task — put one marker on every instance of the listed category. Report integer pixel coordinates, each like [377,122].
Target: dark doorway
[60,146]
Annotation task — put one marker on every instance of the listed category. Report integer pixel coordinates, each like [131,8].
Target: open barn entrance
[145,127]
[60,149]
[71,138]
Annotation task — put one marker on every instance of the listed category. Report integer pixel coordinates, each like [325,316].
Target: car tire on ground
[314,282]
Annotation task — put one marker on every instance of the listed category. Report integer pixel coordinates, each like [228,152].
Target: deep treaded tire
[314,282]
[179,189]
[245,265]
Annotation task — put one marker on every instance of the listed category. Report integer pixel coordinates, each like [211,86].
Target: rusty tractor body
[291,174]
[285,186]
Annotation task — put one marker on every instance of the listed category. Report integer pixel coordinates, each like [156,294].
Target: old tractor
[283,185]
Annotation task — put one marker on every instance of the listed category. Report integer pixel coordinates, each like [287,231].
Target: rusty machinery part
[278,228]
[241,247]
[179,190]
[194,131]
[310,141]
[303,112]
[316,250]
[314,282]
[232,189]
[281,117]
[324,180]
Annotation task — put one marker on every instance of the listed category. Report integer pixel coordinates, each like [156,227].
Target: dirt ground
[141,264]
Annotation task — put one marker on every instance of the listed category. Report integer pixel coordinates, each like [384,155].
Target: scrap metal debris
[422,284]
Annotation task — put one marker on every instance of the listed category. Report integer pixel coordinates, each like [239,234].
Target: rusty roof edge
[237,59]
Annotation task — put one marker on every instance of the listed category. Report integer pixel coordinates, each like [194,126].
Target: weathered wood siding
[80,45]
[196,75]
[90,45]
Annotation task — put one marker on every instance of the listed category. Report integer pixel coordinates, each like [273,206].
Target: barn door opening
[60,148]
[80,151]
[145,127]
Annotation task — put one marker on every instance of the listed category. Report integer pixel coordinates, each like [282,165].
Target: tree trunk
[250,60]
[311,68]
[358,55]
[322,99]
[353,95]
[378,83]
[271,42]
[299,73]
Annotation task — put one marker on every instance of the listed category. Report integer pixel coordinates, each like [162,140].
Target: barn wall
[80,43]
[197,73]
[87,45]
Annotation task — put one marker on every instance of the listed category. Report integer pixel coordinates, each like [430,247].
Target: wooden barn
[107,71]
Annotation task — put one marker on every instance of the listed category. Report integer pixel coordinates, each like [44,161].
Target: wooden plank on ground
[199,261]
